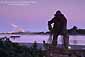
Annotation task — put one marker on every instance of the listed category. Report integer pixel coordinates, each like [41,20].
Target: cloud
[18,3]
[13,25]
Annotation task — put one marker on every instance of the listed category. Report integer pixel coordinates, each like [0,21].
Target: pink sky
[35,15]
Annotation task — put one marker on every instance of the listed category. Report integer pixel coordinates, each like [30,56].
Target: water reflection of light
[69,47]
[73,40]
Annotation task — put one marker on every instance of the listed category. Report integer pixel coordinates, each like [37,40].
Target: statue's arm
[49,24]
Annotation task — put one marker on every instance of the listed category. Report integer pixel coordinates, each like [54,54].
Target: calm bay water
[73,39]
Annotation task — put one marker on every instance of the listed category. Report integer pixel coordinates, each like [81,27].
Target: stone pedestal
[59,52]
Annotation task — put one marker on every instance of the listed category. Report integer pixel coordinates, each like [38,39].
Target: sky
[33,15]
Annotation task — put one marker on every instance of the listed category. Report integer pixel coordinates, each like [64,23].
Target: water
[73,39]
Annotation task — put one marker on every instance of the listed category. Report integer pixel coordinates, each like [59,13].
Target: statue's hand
[49,26]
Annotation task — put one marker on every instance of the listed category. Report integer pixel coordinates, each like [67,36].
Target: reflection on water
[73,40]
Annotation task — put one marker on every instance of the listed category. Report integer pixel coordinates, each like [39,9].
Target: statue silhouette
[59,26]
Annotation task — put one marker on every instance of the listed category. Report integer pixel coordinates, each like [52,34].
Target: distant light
[18,29]
[69,47]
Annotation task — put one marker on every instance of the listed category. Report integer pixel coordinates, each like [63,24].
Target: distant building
[73,30]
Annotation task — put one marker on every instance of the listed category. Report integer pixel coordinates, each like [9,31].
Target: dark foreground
[9,49]
[61,52]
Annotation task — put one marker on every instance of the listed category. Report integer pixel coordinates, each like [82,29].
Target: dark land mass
[72,31]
